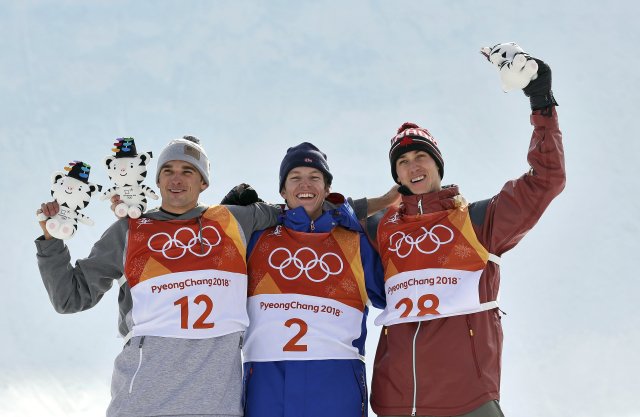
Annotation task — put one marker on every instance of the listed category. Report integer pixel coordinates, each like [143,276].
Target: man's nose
[175,177]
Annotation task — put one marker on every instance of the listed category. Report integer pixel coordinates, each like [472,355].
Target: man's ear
[203,185]
[282,195]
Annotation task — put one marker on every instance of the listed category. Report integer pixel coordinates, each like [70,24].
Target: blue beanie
[304,155]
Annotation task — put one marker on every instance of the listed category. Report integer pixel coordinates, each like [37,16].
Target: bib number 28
[200,322]
[427,304]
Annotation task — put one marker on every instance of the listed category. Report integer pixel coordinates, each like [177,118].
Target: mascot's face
[127,171]
[501,53]
[71,192]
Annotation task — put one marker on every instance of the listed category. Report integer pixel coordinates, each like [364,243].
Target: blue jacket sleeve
[252,242]
[373,273]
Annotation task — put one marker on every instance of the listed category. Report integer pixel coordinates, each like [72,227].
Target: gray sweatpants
[490,409]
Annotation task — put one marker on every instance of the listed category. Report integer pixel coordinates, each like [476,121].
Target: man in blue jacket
[311,279]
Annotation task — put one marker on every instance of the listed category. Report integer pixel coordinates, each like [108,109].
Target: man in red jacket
[440,348]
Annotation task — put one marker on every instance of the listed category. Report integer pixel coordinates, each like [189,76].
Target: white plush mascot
[517,68]
[127,169]
[72,190]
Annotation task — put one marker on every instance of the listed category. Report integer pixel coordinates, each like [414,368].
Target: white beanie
[186,149]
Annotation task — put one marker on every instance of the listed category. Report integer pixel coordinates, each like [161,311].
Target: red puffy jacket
[458,359]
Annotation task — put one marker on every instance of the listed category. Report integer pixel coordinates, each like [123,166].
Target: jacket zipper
[473,347]
[139,365]
[312,226]
[200,235]
[420,205]
[415,379]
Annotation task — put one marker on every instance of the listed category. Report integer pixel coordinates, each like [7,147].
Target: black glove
[539,90]
[241,195]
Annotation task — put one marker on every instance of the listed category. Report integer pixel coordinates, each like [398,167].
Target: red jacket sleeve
[520,204]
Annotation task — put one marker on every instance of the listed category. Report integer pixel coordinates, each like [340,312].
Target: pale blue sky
[253,78]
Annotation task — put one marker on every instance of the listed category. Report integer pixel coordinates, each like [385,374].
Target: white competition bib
[433,265]
[300,327]
[194,305]
[187,277]
[431,294]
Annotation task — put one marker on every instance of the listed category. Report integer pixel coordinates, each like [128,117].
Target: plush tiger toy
[516,67]
[72,190]
[127,169]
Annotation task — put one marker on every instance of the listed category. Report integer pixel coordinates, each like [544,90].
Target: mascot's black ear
[145,157]
[56,177]
[108,160]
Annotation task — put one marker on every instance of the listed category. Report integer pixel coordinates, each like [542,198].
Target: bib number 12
[200,323]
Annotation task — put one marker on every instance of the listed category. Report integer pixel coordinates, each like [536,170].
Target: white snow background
[253,78]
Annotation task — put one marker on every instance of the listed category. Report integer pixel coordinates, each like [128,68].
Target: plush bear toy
[127,169]
[72,191]
[516,67]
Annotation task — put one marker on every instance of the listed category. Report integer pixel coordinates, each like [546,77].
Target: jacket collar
[159,214]
[445,199]
[334,214]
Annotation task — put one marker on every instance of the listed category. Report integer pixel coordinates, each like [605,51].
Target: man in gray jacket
[182,277]
[181,269]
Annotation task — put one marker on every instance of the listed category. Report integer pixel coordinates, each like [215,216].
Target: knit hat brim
[411,137]
[415,146]
[304,155]
[187,149]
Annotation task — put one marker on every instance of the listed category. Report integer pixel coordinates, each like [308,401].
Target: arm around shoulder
[365,207]
[255,217]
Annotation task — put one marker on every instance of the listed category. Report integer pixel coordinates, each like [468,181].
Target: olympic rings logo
[301,266]
[398,246]
[194,240]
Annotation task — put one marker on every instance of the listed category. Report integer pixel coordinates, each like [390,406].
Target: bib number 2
[200,323]
[292,345]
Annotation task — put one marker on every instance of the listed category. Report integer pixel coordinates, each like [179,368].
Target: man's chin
[419,188]
[310,207]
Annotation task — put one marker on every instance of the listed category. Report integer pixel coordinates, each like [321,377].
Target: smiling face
[305,187]
[180,185]
[418,171]
[71,192]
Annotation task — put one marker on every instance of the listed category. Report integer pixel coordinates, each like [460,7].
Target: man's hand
[46,211]
[390,198]
[519,70]
[241,195]
[119,208]
[539,90]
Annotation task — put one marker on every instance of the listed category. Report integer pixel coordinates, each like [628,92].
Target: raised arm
[519,205]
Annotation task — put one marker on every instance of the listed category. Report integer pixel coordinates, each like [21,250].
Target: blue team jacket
[316,388]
